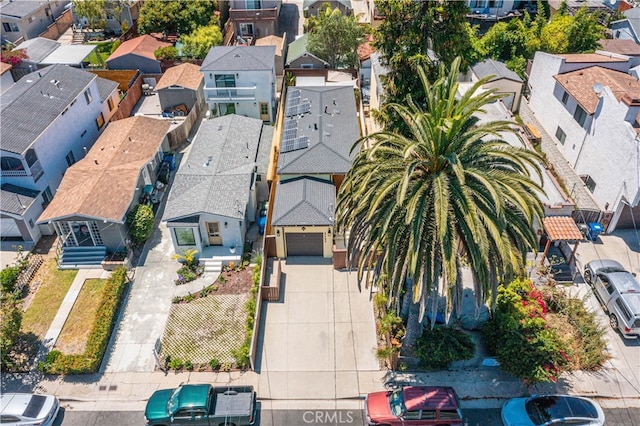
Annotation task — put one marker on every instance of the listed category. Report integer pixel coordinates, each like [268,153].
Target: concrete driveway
[318,342]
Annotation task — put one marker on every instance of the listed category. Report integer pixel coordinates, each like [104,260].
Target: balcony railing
[253,14]
[35,170]
[218,94]
[13,173]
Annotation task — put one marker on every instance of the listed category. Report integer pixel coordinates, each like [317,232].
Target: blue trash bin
[595,229]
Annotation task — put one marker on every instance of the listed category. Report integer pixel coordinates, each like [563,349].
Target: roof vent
[236,55]
[327,134]
[220,127]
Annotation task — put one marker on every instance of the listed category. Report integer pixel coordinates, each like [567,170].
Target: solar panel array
[300,142]
[294,107]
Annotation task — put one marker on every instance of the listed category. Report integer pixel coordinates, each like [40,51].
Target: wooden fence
[27,274]
[179,135]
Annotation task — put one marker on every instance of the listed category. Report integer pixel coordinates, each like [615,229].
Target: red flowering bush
[14,57]
[520,338]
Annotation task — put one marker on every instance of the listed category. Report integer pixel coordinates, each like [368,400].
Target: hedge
[89,362]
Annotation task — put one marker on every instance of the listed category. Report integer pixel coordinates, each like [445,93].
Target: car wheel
[587,276]
[613,320]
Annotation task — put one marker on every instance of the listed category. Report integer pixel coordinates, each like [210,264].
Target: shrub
[214,364]
[241,355]
[168,52]
[391,324]
[188,365]
[176,364]
[140,221]
[10,322]
[98,338]
[380,301]
[520,338]
[440,346]
[9,278]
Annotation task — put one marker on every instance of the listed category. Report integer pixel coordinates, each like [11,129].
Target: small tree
[14,57]
[335,38]
[198,43]
[10,322]
[188,257]
[140,222]
[174,16]
[167,52]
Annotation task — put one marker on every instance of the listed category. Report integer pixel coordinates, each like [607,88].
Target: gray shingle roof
[304,201]
[496,68]
[38,48]
[34,102]
[105,88]
[239,58]
[216,177]
[22,8]
[337,131]
[15,199]
[264,151]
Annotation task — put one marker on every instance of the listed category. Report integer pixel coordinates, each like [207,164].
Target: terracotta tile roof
[623,47]
[366,49]
[4,67]
[561,228]
[143,46]
[102,185]
[579,84]
[590,57]
[184,75]
[272,40]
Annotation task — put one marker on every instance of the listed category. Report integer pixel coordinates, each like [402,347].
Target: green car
[202,404]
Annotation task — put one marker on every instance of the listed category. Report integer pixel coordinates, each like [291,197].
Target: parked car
[550,410]
[414,405]
[619,294]
[22,409]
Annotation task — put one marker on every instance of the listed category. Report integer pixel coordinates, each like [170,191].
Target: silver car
[25,409]
[541,410]
[594,267]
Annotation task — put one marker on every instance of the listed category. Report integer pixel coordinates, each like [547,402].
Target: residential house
[298,57]
[90,207]
[26,19]
[254,18]
[128,12]
[215,193]
[313,7]
[281,47]
[182,84]
[376,89]
[42,52]
[319,130]
[6,79]
[503,80]
[50,119]
[364,56]
[633,15]
[591,104]
[241,80]
[625,47]
[137,53]
[623,29]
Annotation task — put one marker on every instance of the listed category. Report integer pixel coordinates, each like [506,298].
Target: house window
[100,121]
[264,108]
[46,195]
[225,80]
[253,4]
[83,133]
[561,135]
[580,115]
[11,164]
[589,182]
[31,223]
[246,29]
[185,236]
[306,66]
[565,97]
[10,27]
[31,157]
[111,104]
[87,96]
[70,158]
[32,18]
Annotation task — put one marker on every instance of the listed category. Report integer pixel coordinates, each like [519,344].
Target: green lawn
[49,296]
[73,337]
[102,52]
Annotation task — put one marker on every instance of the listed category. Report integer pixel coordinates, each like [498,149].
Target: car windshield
[396,403]
[544,409]
[174,401]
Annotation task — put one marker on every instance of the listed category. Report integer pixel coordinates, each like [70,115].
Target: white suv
[619,294]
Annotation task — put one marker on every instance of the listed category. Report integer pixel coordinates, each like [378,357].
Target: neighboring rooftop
[144,45]
[235,58]
[184,75]
[297,48]
[496,68]
[581,58]
[320,127]
[31,104]
[272,40]
[366,49]
[102,185]
[15,199]
[307,3]
[4,67]
[21,8]
[105,88]
[216,177]
[48,52]
[622,46]
[580,83]
[562,228]
[38,48]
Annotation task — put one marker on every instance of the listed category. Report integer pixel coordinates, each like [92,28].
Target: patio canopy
[561,228]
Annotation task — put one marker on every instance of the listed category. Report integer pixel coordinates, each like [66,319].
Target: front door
[213,229]
[264,111]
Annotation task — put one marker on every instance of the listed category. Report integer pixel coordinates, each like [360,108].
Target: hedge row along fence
[89,362]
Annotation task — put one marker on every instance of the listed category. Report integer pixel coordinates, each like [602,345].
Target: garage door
[9,228]
[304,244]
[628,216]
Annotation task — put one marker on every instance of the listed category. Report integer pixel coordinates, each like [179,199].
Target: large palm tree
[451,193]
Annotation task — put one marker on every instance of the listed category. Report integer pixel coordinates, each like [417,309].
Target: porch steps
[212,265]
[82,257]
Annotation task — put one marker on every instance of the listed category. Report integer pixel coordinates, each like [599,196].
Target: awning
[561,228]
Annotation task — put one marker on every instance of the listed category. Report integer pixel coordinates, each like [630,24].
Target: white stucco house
[26,19]
[241,80]
[50,119]
[591,103]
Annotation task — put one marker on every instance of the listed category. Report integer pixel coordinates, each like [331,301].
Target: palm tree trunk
[414,327]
